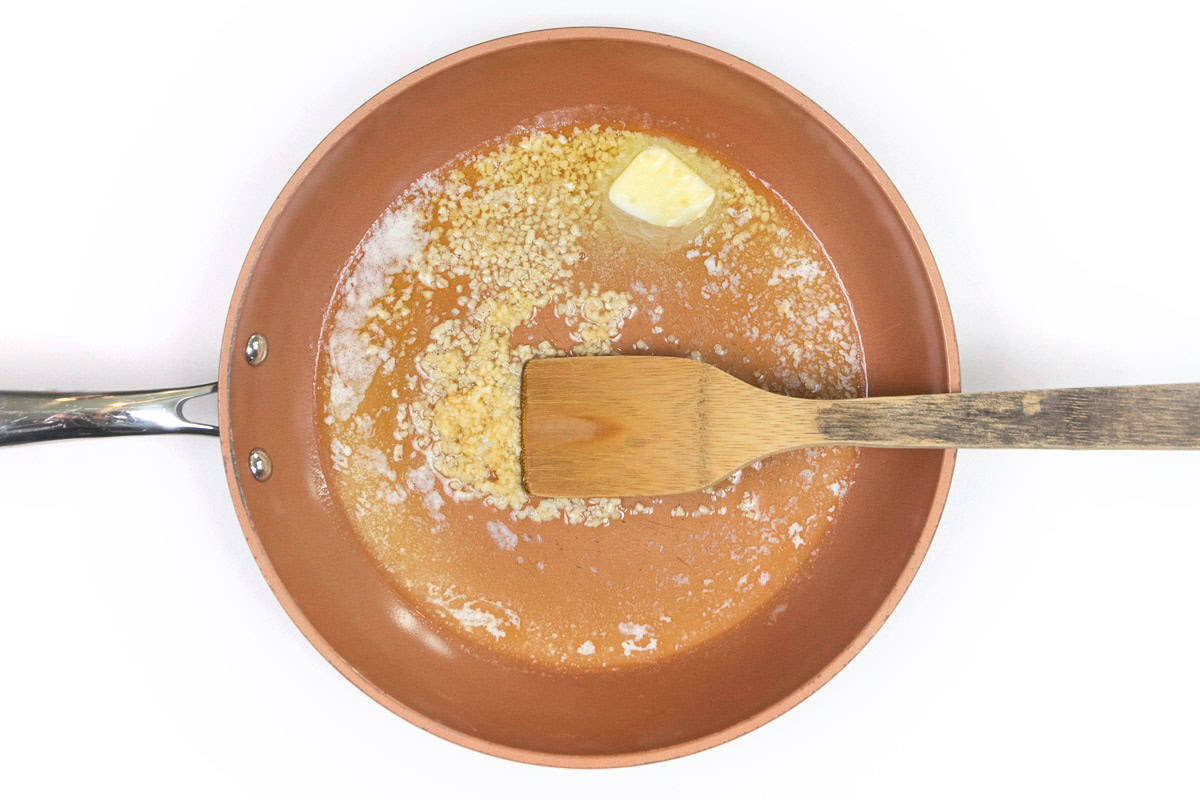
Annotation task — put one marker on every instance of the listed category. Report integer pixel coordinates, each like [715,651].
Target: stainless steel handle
[42,416]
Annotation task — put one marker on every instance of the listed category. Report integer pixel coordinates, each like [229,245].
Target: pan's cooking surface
[314,559]
[513,252]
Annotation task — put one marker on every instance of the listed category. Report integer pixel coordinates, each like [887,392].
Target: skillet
[268,423]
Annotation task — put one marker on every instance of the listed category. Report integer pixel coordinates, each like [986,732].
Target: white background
[1049,644]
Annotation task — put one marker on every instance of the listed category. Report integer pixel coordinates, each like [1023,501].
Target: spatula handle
[1109,417]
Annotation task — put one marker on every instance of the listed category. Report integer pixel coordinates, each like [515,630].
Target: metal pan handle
[27,417]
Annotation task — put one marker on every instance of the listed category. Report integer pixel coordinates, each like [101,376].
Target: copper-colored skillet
[269,428]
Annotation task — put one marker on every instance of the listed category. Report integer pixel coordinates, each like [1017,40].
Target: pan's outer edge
[228,352]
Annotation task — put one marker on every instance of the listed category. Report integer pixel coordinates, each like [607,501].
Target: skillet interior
[323,575]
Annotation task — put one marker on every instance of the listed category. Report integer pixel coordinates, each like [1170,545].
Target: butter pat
[660,189]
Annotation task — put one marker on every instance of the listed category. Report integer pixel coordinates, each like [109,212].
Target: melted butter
[511,252]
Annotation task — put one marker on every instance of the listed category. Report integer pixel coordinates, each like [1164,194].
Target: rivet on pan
[256,349]
[260,464]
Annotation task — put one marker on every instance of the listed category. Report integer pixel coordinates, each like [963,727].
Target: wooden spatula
[621,426]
